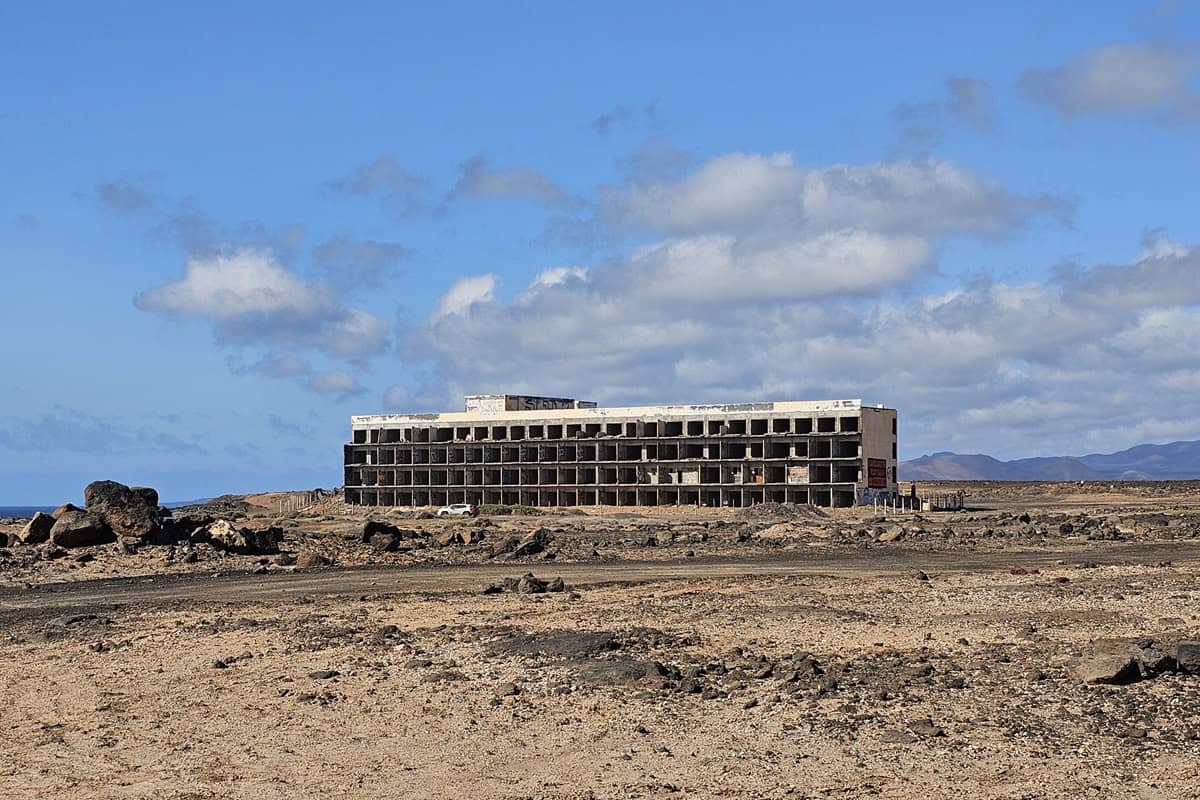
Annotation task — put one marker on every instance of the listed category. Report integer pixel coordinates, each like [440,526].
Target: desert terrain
[1035,645]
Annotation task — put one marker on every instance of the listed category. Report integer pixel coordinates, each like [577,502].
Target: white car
[459,510]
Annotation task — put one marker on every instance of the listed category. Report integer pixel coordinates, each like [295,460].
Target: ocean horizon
[25,512]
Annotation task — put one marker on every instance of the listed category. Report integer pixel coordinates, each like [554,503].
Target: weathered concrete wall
[879,445]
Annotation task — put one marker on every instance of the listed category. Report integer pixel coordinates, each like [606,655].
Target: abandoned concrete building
[543,451]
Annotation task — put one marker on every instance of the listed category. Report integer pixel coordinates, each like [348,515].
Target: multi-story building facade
[541,451]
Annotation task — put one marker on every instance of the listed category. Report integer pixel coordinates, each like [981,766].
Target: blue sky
[224,230]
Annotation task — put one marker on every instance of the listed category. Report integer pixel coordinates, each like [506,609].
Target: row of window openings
[815,473]
[732,427]
[587,497]
[650,452]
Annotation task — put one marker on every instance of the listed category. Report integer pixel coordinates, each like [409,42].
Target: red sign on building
[876,473]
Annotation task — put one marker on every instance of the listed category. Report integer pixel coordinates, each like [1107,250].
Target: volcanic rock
[38,529]
[126,511]
[1110,668]
[373,527]
[80,529]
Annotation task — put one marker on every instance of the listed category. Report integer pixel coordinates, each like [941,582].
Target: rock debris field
[1045,643]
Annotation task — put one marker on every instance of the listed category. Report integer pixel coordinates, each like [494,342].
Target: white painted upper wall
[801,407]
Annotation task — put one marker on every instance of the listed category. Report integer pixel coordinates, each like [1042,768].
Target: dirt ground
[784,653]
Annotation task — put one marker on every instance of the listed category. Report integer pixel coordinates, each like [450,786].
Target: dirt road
[243,587]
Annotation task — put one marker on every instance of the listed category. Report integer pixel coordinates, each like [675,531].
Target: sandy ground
[928,666]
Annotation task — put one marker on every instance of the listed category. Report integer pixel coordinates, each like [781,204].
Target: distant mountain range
[1146,462]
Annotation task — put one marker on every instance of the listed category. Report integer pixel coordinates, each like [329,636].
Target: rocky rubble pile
[112,510]
[131,517]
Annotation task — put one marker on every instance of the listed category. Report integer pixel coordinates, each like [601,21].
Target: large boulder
[80,529]
[64,508]
[373,526]
[224,535]
[128,511]
[1110,668]
[37,530]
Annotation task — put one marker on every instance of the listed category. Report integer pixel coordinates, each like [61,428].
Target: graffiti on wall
[877,473]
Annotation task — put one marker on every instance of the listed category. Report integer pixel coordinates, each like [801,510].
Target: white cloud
[772,281]
[251,299]
[466,293]
[245,282]
[741,193]
[718,269]
[1019,369]
[555,276]
[1165,274]
[1120,79]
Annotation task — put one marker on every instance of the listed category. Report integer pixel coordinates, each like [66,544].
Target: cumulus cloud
[466,293]
[241,283]
[716,269]
[386,180]
[1165,274]
[1152,79]
[740,192]
[249,298]
[555,276]
[478,179]
[991,364]
[770,281]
